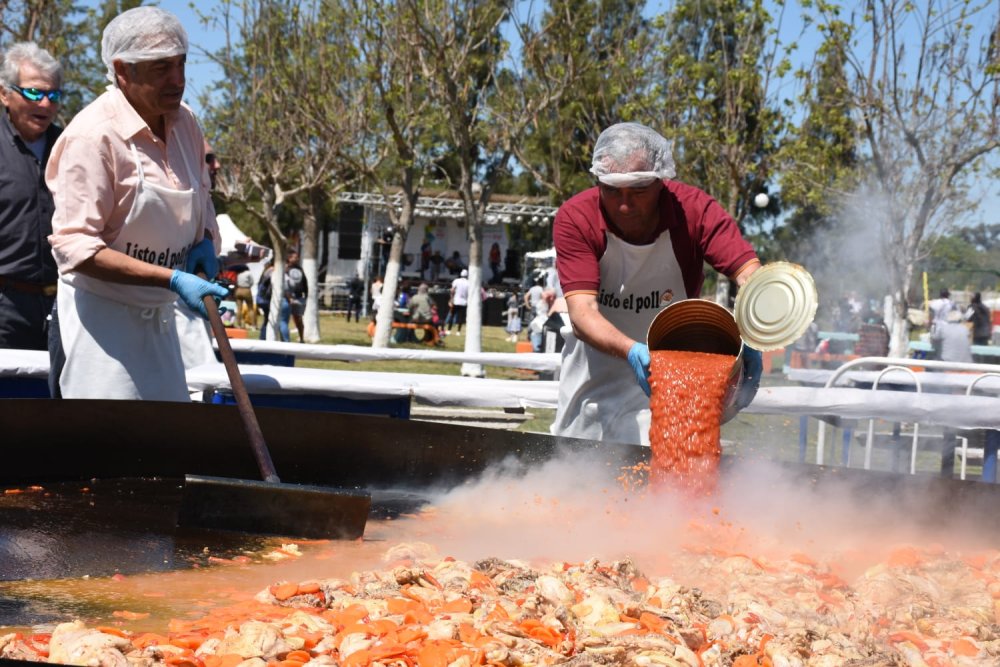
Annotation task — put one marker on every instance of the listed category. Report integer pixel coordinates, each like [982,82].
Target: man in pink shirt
[133,219]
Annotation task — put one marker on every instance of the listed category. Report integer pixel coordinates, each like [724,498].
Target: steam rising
[573,508]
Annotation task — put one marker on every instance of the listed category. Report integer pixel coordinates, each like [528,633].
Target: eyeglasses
[37,94]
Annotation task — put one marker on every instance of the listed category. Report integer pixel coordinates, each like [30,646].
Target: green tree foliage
[71,34]
[604,47]
[923,81]
[717,66]
[264,117]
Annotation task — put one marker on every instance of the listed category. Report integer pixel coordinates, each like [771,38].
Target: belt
[45,289]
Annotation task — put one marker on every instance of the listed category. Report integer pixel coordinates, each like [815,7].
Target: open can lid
[775,306]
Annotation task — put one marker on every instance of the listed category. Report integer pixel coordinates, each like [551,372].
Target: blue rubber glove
[753,367]
[191,289]
[638,359]
[201,258]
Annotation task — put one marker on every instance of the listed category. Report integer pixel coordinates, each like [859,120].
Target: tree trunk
[277,289]
[390,284]
[310,266]
[474,311]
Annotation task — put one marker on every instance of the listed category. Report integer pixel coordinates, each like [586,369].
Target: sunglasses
[37,94]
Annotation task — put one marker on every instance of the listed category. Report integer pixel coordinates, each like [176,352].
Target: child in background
[513,318]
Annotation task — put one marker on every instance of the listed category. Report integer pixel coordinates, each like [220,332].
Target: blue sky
[202,73]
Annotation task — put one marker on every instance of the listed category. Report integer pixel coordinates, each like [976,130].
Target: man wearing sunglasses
[30,79]
[133,220]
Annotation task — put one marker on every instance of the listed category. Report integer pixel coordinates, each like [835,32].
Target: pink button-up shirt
[92,174]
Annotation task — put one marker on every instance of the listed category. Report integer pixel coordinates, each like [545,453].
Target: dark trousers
[24,319]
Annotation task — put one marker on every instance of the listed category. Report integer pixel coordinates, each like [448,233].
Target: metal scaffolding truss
[445,207]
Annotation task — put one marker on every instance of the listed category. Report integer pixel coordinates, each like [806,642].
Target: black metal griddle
[132,456]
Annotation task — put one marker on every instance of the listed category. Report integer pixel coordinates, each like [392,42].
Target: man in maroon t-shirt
[624,250]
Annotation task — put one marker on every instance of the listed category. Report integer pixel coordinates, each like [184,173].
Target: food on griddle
[918,607]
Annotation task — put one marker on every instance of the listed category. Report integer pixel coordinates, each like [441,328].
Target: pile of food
[917,607]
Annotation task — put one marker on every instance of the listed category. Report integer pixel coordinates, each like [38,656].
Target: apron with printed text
[121,340]
[599,398]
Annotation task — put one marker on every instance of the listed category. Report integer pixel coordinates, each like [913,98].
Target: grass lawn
[766,436]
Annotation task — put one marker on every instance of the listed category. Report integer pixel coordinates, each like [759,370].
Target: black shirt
[25,208]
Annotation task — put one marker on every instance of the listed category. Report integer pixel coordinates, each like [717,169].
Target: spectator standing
[940,307]
[980,317]
[495,263]
[30,83]
[355,290]
[296,291]
[436,262]
[264,290]
[459,302]
[513,318]
[376,293]
[245,307]
[951,337]
[540,315]
[454,264]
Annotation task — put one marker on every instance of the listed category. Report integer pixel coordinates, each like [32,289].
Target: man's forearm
[114,266]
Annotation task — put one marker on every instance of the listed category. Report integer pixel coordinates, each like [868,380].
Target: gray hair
[32,54]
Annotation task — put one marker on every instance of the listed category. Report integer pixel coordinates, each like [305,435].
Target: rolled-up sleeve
[80,176]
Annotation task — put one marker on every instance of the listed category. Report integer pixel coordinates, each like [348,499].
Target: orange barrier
[235,332]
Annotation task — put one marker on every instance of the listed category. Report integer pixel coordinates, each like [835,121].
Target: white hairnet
[632,155]
[141,34]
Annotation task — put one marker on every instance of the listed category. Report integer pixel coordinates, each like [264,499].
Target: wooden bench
[430,331]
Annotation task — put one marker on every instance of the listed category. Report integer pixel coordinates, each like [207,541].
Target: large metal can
[698,325]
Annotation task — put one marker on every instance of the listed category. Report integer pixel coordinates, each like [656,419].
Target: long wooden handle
[250,424]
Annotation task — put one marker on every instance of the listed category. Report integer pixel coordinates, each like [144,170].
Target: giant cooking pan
[111,472]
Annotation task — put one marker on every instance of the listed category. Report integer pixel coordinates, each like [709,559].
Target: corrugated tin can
[698,325]
[775,306]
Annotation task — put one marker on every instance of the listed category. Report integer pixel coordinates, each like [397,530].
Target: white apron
[121,340]
[599,398]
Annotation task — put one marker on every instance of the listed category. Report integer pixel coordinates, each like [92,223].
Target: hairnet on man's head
[142,34]
[632,155]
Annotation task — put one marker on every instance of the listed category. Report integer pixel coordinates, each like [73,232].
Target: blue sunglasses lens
[36,94]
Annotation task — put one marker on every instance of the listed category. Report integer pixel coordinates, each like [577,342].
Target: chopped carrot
[468,634]
[298,656]
[964,647]
[907,636]
[224,660]
[108,630]
[746,661]
[148,639]
[905,556]
[457,606]
[183,661]
[640,584]
[305,589]
[411,634]
[401,605]
[282,592]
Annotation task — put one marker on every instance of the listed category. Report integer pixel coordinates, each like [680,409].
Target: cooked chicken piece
[75,644]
